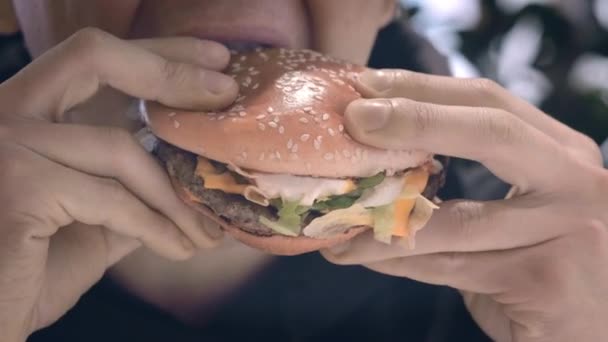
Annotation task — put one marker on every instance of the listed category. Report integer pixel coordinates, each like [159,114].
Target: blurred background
[553,53]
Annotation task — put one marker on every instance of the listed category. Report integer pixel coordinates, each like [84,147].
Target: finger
[465,226]
[74,70]
[35,207]
[114,153]
[513,150]
[465,92]
[483,272]
[203,53]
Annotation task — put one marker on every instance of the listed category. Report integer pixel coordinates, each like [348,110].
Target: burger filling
[321,207]
[274,204]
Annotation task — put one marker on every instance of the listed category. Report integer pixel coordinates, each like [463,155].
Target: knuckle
[174,71]
[398,76]
[115,191]
[423,116]
[467,215]
[87,42]
[452,262]
[485,86]
[592,238]
[500,127]
[13,167]
[120,144]
[587,146]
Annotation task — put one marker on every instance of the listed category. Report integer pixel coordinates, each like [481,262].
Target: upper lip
[258,34]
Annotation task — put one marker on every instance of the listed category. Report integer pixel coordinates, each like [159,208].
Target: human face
[341,28]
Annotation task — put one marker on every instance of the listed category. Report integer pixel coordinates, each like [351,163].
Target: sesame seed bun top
[288,118]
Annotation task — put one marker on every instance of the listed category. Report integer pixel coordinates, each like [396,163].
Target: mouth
[242,39]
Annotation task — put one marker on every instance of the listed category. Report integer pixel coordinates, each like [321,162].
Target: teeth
[242,46]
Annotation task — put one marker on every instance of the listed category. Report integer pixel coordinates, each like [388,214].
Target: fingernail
[370,115]
[339,249]
[218,53]
[218,83]
[377,80]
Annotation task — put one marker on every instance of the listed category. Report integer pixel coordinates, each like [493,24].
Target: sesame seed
[318,97]
[331,132]
[243,58]
[278,155]
[290,144]
[281,130]
[244,155]
[172,114]
[328,156]
[305,137]
[221,117]
[273,124]
[270,110]
[255,72]
[233,120]
[307,109]
[276,119]
[341,128]
[255,86]
[242,114]
[346,153]
[317,142]
[303,120]
[245,85]
[261,126]
[176,124]
[295,148]
[260,117]
[248,80]
[211,114]
[325,117]
[212,118]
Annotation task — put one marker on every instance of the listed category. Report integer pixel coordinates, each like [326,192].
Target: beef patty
[235,209]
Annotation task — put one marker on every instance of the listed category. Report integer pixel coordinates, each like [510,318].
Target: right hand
[76,199]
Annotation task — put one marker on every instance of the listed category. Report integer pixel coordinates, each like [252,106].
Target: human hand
[531,267]
[75,199]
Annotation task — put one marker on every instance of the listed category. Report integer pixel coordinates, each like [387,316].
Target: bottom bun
[275,244]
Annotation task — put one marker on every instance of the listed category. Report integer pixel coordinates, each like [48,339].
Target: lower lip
[261,36]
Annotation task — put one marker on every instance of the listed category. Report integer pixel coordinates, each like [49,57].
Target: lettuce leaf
[383,222]
[291,215]
[348,199]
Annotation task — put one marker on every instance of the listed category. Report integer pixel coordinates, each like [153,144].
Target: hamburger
[277,169]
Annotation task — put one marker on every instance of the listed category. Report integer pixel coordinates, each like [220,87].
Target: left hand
[532,267]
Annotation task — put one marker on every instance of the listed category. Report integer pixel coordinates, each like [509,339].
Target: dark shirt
[301,298]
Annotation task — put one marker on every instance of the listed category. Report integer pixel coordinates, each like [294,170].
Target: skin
[531,267]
